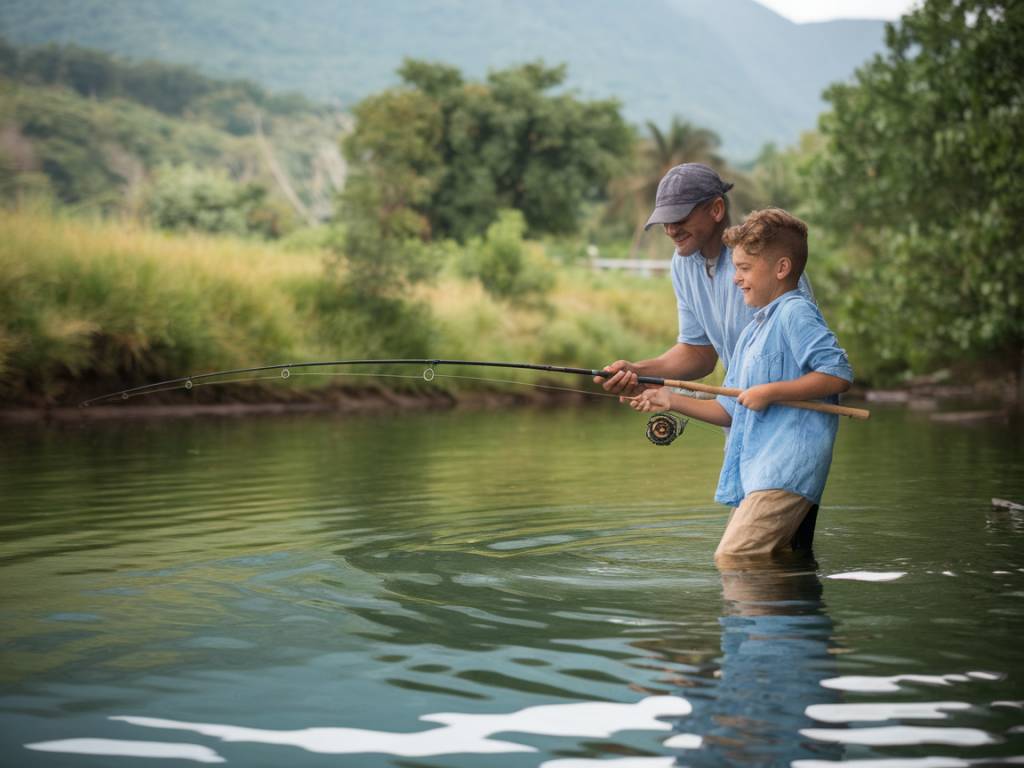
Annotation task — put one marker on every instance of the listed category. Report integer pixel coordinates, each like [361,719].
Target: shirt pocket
[765,368]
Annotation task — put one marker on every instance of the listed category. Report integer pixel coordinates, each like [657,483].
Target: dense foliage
[452,153]
[188,198]
[88,306]
[172,90]
[93,132]
[921,184]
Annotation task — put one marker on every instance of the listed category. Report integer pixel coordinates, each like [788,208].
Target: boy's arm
[662,399]
[816,350]
[810,386]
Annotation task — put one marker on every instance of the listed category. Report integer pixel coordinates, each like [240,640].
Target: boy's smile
[759,277]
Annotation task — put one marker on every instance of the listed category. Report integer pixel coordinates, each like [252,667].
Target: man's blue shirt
[711,308]
[780,448]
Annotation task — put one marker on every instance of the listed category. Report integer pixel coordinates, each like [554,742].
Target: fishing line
[524,384]
[658,432]
[283,376]
[662,428]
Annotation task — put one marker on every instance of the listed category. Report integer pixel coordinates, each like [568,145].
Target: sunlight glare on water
[510,588]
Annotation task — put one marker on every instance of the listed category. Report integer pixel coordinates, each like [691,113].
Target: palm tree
[683,142]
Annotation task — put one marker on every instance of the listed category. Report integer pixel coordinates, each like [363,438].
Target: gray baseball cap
[682,189]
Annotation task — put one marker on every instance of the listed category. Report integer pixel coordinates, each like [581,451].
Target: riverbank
[952,400]
[92,306]
[953,405]
[336,400]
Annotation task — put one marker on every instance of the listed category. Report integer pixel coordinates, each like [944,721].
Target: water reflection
[745,708]
[777,647]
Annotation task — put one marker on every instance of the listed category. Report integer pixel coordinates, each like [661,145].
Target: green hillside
[730,65]
[97,133]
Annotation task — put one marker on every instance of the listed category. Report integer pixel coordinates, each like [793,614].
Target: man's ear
[718,209]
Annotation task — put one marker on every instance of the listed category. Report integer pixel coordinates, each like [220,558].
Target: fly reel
[663,428]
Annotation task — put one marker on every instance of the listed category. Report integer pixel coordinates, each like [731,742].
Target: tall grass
[115,303]
[91,306]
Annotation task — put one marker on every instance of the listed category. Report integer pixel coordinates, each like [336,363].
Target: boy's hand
[652,400]
[758,397]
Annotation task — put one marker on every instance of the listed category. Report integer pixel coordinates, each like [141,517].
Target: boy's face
[758,277]
[693,233]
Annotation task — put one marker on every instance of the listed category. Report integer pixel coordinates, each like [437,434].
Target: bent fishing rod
[284,372]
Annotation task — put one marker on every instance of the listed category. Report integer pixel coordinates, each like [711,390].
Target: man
[692,207]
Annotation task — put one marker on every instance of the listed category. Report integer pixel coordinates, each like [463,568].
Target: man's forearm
[682,361]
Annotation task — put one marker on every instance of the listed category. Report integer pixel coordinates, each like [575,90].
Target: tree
[922,179]
[467,149]
[383,249]
[780,176]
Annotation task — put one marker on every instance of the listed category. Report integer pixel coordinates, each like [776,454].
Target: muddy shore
[237,403]
[991,399]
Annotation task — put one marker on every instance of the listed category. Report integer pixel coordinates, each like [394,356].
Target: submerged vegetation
[210,234]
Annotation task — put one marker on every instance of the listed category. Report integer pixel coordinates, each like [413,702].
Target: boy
[776,458]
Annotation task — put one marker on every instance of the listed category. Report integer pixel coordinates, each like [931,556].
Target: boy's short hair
[774,231]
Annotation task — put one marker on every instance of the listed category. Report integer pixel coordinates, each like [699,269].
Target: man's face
[756,277]
[693,233]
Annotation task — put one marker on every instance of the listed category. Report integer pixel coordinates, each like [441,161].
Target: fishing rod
[188,382]
[662,428]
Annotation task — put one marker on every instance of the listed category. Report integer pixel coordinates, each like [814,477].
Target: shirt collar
[769,309]
[709,265]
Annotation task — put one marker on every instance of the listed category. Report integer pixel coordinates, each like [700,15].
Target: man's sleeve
[732,378]
[812,343]
[728,403]
[691,330]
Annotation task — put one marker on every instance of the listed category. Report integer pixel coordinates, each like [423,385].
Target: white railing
[638,266]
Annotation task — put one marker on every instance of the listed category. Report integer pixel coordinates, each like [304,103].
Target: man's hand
[758,397]
[624,382]
[652,400]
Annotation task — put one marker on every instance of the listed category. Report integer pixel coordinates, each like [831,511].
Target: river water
[511,588]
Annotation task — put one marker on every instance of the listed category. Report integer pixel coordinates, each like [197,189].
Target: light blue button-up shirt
[711,308]
[780,448]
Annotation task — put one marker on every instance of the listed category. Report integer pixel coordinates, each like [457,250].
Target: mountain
[99,133]
[731,65]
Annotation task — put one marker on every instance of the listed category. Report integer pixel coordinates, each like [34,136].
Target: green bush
[186,198]
[502,262]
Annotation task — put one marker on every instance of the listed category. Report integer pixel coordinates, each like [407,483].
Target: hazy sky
[823,10]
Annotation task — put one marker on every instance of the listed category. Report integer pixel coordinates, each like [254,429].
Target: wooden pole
[808,405]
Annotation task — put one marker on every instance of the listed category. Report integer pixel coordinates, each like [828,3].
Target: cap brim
[668,214]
